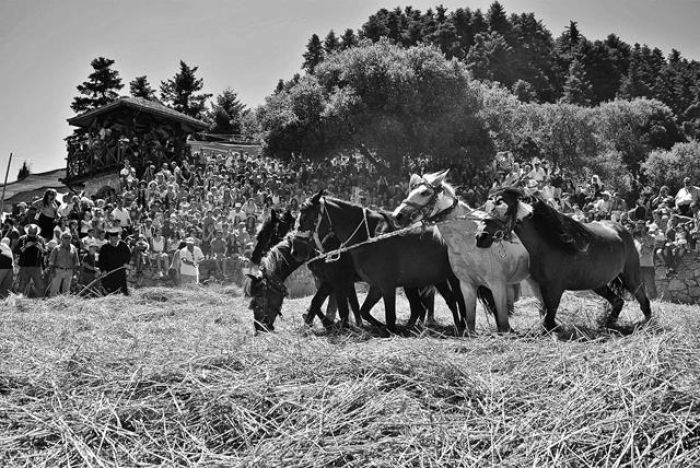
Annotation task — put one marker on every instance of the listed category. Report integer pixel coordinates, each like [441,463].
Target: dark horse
[568,255]
[412,259]
[335,280]
[266,287]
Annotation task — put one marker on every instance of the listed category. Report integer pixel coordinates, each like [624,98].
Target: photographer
[30,249]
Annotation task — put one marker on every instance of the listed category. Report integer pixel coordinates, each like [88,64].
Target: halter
[322,211]
[425,209]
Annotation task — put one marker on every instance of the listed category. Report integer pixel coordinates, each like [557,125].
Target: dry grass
[175,378]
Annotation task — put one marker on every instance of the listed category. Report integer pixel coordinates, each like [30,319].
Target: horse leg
[615,301]
[324,290]
[500,297]
[537,294]
[416,305]
[551,297]
[459,297]
[513,296]
[469,294]
[332,306]
[446,291]
[631,278]
[427,299]
[373,296]
[341,295]
[389,295]
[354,304]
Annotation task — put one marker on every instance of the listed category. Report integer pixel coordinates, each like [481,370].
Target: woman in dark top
[48,212]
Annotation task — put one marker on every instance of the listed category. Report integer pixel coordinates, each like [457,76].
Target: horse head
[508,205]
[266,300]
[428,195]
[308,225]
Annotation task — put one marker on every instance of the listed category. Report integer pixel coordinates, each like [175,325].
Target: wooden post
[7,172]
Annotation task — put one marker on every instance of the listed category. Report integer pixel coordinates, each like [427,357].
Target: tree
[524,91]
[489,58]
[313,55]
[391,103]
[180,92]
[577,88]
[24,171]
[140,87]
[348,39]
[670,167]
[227,114]
[101,88]
[331,42]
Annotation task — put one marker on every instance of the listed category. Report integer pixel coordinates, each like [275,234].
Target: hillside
[175,377]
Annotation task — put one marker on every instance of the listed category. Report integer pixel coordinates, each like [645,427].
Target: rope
[334,255]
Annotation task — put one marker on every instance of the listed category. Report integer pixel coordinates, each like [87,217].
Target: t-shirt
[191,268]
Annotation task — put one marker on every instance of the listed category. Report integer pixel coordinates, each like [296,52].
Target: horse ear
[318,196]
[413,181]
[436,178]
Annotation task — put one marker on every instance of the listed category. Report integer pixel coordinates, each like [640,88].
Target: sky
[46,47]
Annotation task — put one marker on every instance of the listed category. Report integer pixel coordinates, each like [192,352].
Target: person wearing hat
[88,264]
[190,256]
[63,263]
[113,258]
[30,249]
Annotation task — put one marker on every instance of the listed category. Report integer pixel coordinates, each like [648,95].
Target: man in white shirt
[687,196]
[190,256]
[121,215]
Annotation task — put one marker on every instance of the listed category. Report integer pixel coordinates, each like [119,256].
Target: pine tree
[498,21]
[577,88]
[101,87]
[140,87]
[179,92]
[331,42]
[227,114]
[280,86]
[24,171]
[313,55]
[348,39]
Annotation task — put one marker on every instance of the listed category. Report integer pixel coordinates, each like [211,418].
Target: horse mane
[279,256]
[558,229]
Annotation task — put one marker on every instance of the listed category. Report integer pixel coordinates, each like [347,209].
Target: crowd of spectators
[177,217]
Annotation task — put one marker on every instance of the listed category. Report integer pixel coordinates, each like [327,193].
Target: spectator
[687,196]
[63,264]
[112,262]
[190,257]
[47,209]
[30,250]
[7,264]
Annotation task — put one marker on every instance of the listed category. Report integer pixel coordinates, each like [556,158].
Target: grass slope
[175,378]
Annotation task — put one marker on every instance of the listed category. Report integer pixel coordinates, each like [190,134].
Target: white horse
[505,263]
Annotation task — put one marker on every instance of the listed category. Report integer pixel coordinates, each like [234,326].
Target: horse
[266,286]
[505,263]
[334,279]
[568,255]
[412,259]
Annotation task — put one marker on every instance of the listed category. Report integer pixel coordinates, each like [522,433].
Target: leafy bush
[671,167]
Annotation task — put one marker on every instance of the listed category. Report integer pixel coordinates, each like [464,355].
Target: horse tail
[485,296]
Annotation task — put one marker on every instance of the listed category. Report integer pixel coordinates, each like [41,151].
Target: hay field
[176,378]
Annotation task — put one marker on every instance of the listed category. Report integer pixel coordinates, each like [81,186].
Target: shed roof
[141,105]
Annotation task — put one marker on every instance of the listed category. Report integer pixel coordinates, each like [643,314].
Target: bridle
[261,302]
[425,209]
[319,242]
